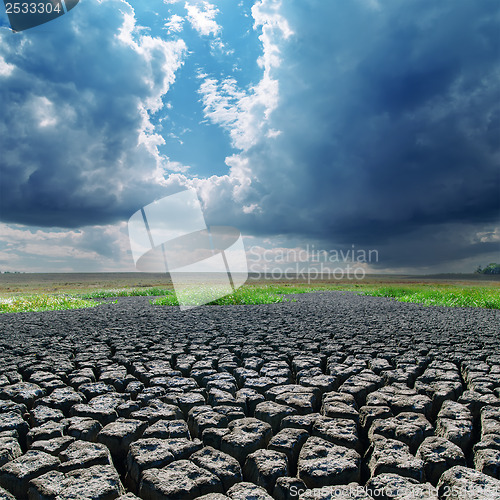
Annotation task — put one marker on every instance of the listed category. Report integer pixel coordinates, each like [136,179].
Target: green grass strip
[242,296]
[487,298]
[29,303]
[126,292]
[426,294]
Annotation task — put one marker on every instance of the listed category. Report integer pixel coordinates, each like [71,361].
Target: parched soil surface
[334,396]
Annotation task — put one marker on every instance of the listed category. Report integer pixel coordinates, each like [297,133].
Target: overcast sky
[373,123]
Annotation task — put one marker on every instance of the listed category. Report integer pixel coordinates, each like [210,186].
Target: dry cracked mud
[334,395]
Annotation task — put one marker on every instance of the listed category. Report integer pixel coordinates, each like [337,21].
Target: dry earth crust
[334,396]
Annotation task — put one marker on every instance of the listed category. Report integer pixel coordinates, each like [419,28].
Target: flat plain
[78,282]
[329,395]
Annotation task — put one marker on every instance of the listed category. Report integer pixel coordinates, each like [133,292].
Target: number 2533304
[33,8]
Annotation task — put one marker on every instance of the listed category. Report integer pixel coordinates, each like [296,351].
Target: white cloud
[175,24]
[244,113]
[266,14]
[248,209]
[43,110]
[92,248]
[5,68]
[272,133]
[491,236]
[78,142]
[203,19]
[176,166]
[166,57]
[160,55]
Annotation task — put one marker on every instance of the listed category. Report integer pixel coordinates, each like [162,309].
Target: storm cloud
[366,122]
[389,119]
[77,144]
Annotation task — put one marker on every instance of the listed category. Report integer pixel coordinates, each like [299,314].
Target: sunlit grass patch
[251,296]
[242,296]
[126,292]
[488,298]
[427,294]
[290,289]
[27,303]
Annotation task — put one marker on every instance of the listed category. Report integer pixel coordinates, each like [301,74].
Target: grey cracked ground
[332,396]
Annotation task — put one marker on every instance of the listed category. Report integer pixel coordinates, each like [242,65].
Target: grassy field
[43,302]
[429,294]
[39,292]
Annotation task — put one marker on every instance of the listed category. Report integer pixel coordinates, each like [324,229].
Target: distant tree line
[489,269]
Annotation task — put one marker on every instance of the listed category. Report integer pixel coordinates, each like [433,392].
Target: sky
[306,124]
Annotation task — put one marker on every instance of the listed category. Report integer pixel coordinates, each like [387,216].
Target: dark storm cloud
[76,145]
[390,113]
